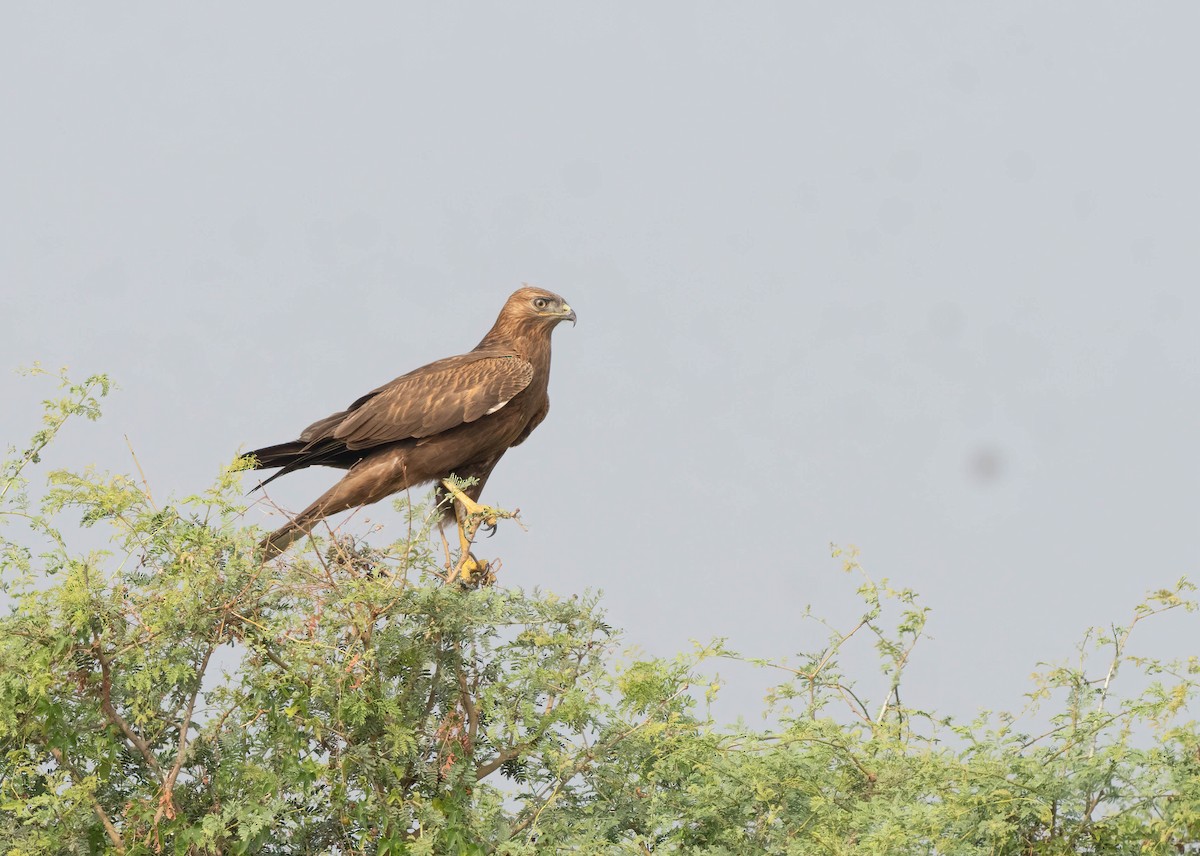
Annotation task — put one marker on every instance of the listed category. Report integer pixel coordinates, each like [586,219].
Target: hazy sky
[920,278]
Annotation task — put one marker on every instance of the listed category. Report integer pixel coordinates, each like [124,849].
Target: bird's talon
[473,573]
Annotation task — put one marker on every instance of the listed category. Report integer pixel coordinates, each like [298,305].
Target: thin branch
[101,814]
[895,682]
[42,439]
[468,705]
[141,472]
[482,771]
[589,757]
[789,739]
[847,695]
[485,770]
[115,717]
[166,803]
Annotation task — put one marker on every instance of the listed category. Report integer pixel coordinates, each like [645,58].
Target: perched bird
[456,416]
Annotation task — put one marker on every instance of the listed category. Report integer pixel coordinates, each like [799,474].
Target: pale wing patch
[498,406]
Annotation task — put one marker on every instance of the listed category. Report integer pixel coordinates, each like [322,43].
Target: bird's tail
[338,498]
[279,455]
[290,456]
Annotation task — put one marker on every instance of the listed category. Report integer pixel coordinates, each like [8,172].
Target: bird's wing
[432,399]
[534,422]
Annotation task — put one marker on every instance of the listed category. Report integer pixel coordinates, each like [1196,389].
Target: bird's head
[532,303]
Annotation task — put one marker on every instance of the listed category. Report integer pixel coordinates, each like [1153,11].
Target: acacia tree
[173,693]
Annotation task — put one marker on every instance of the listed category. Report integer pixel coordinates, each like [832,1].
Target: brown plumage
[456,416]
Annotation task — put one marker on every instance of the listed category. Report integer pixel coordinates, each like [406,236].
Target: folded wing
[428,401]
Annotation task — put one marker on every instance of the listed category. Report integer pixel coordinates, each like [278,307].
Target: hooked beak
[568,314]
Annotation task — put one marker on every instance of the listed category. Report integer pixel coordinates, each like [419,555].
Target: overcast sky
[920,278]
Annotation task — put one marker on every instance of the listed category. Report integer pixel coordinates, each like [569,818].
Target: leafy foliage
[175,694]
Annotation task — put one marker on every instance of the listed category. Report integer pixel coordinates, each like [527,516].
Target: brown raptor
[456,416]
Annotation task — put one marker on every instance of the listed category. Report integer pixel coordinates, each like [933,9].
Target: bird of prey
[456,416]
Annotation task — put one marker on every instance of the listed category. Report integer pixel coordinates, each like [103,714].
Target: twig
[589,757]
[895,687]
[468,705]
[141,472]
[115,717]
[101,815]
[166,803]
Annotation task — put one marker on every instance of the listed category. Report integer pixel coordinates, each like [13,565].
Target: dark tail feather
[291,456]
[299,454]
[276,456]
[267,481]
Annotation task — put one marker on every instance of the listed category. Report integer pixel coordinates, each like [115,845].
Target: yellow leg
[470,506]
[469,514]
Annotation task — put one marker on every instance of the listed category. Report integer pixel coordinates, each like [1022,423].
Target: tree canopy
[174,693]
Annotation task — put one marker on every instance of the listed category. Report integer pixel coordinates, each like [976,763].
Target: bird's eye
[540,303]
